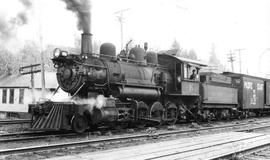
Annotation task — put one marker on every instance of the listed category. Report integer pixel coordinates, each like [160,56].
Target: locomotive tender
[141,87]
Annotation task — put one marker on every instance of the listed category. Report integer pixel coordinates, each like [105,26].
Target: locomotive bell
[107,50]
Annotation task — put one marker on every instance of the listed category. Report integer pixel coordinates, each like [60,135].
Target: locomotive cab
[185,74]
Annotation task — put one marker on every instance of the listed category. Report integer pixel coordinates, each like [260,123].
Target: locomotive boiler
[137,77]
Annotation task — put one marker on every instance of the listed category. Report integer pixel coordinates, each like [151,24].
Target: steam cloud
[98,102]
[82,10]
[8,26]
[61,96]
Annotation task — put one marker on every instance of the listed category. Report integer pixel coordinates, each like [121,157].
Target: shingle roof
[17,80]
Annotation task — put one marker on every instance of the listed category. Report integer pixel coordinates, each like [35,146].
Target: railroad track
[17,139]
[204,147]
[17,121]
[119,138]
[38,133]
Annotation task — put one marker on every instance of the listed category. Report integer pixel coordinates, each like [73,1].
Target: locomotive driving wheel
[142,112]
[157,111]
[78,123]
[171,113]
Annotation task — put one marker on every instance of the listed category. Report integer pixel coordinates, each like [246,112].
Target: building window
[11,96]
[4,96]
[21,96]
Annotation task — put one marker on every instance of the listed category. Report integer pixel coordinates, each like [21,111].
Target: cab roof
[182,59]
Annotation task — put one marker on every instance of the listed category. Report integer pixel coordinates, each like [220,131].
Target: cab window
[185,71]
[191,72]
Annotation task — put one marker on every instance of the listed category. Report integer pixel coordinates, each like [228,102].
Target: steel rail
[42,135]
[249,150]
[17,121]
[36,137]
[24,133]
[113,139]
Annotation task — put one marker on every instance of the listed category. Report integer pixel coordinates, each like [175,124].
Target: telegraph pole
[41,55]
[231,59]
[42,69]
[240,61]
[31,69]
[121,21]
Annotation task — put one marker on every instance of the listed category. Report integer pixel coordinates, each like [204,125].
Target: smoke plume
[82,10]
[8,25]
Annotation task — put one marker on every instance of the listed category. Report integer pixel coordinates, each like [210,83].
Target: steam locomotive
[141,87]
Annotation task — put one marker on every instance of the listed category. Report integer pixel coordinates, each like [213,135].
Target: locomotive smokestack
[86,43]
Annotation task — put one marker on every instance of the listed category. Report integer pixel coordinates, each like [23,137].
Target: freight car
[141,87]
[252,93]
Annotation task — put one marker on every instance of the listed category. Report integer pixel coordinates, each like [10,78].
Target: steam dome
[138,53]
[107,49]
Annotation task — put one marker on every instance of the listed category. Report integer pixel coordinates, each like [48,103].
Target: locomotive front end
[84,77]
[77,72]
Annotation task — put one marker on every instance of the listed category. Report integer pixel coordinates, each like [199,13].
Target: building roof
[17,80]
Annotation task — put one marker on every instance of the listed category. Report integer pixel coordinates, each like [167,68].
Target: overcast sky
[196,24]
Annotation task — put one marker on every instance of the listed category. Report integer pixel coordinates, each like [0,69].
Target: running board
[150,119]
[155,120]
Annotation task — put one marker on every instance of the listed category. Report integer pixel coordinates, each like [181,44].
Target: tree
[192,54]
[179,51]
[7,62]
[213,57]
[29,54]
[214,61]
[176,46]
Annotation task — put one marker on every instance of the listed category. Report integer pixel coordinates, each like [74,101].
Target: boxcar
[250,90]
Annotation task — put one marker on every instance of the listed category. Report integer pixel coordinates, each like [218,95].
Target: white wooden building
[16,92]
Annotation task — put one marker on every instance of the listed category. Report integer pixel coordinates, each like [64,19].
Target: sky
[195,24]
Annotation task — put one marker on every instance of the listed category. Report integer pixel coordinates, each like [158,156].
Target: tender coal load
[107,50]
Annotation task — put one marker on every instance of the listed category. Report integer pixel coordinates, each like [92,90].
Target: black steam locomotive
[143,87]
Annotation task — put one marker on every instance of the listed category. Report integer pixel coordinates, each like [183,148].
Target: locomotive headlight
[64,53]
[56,52]
[84,56]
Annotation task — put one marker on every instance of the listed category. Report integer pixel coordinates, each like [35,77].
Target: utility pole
[42,69]
[231,59]
[121,21]
[240,61]
[259,63]
[42,55]
[31,69]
